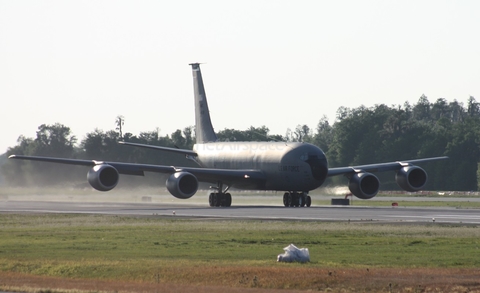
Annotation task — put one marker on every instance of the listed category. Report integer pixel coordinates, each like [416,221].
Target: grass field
[237,254]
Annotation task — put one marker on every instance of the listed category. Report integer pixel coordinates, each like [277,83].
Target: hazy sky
[273,63]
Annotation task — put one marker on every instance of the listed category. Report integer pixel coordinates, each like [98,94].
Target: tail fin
[203,125]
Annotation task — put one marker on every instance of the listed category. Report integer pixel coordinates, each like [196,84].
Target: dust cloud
[334,190]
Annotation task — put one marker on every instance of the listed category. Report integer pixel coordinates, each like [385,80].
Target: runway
[246,212]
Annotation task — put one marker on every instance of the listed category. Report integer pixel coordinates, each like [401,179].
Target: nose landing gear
[297,199]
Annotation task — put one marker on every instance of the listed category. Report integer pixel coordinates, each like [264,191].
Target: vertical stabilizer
[203,125]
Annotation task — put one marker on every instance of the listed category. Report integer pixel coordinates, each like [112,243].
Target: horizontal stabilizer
[155,147]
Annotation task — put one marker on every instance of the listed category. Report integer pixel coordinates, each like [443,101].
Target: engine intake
[182,185]
[103,177]
[364,185]
[411,178]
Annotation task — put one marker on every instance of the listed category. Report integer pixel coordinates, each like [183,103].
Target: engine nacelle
[103,177]
[182,184]
[364,185]
[411,178]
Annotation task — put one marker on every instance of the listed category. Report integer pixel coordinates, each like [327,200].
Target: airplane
[291,167]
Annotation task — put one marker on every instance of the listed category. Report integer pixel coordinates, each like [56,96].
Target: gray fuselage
[288,166]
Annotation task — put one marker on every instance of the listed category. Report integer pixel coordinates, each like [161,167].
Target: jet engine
[182,184]
[103,177]
[364,185]
[411,178]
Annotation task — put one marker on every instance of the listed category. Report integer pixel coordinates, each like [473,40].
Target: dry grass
[243,279]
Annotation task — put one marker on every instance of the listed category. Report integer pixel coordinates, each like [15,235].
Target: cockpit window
[318,167]
[304,157]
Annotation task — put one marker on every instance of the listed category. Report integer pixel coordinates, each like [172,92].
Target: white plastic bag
[293,253]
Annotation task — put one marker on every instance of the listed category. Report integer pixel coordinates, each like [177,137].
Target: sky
[273,63]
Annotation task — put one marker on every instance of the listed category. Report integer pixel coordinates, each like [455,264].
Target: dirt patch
[269,280]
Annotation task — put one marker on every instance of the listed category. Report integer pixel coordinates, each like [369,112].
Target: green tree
[464,152]
[51,141]
[421,111]
[119,122]
[473,109]
[178,140]
[324,136]
[16,173]
[189,139]
[457,112]
[251,134]
[440,109]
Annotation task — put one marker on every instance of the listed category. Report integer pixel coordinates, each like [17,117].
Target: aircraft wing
[238,177]
[55,160]
[380,167]
[122,168]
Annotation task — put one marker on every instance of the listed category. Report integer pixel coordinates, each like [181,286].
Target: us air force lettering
[291,167]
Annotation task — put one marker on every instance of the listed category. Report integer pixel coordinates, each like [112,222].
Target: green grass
[112,247]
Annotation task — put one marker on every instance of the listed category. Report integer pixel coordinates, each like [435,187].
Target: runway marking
[466,219]
[437,217]
[455,216]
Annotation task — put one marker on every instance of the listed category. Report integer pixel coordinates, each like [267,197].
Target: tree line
[358,136]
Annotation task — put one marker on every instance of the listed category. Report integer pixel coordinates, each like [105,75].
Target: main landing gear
[220,198]
[297,199]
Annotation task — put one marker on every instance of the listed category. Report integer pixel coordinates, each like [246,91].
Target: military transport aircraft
[292,167]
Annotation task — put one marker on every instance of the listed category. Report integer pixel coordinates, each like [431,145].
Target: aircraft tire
[210,199]
[308,201]
[220,200]
[296,200]
[285,199]
[301,200]
[290,200]
[228,200]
